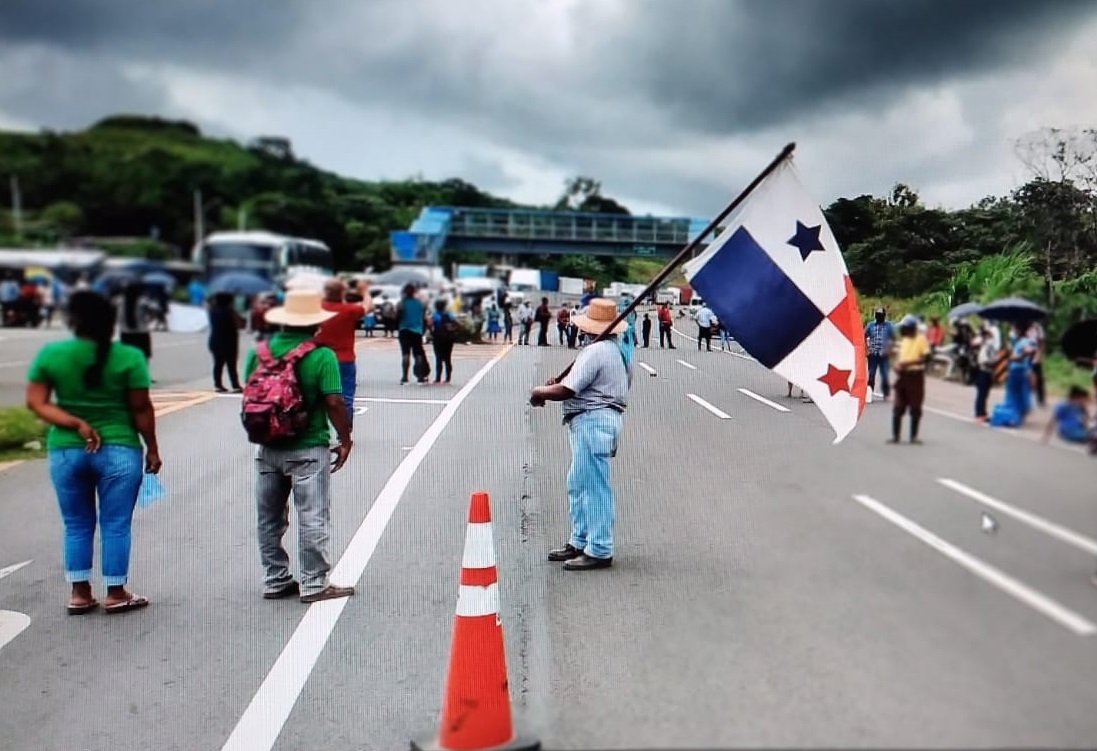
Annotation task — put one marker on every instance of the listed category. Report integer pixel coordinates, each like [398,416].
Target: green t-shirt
[317,375]
[106,408]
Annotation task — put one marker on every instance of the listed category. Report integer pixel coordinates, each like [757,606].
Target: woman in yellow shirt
[910,385]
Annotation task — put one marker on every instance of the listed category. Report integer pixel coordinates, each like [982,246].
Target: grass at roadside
[18,427]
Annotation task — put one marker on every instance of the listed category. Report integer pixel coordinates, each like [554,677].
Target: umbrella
[1013,310]
[965,310]
[240,283]
[1080,340]
[159,278]
[112,281]
[400,277]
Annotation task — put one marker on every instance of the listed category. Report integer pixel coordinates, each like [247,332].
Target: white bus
[265,254]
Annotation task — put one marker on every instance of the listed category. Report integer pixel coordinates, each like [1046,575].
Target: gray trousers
[307,473]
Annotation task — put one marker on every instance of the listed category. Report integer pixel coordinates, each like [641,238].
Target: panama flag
[777,280]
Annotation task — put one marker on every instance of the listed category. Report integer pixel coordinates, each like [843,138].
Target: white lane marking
[11,625]
[686,364]
[262,721]
[14,364]
[9,570]
[1011,432]
[740,355]
[361,410]
[1059,532]
[381,400]
[647,367]
[763,400]
[722,415]
[1019,590]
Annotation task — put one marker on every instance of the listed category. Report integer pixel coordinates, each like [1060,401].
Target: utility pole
[199,218]
[242,218]
[16,208]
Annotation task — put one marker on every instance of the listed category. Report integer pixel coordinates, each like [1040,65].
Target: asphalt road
[769,589]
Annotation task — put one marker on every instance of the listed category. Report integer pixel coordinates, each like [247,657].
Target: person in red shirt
[666,323]
[339,335]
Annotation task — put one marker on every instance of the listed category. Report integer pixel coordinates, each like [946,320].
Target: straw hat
[301,309]
[600,313]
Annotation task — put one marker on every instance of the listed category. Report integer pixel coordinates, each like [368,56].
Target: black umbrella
[240,283]
[113,281]
[1013,310]
[1080,340]
[400,277]
[965,310]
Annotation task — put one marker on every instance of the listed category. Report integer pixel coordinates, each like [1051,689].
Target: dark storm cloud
[733,67]
[717,66]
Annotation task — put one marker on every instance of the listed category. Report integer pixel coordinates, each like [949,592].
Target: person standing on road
[1035,333]
[594,395]
[990,342]
[563,323]
[300,463]
[339,335]
[411,315]
[443,336]
[879,338]
[525,320]
[666,323]
[224,340]
[132,327]
[910,386]
[645,329]
[704,319]
[543,318]
[101,413]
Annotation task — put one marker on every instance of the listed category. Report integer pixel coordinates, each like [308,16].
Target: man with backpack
[293,389]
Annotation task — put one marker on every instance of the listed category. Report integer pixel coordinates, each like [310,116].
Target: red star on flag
[836,379]
[846,316]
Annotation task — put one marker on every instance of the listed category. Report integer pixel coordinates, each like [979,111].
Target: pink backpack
[273,407]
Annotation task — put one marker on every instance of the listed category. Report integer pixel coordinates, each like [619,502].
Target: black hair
[440,305]
[1077,392]
[130,296]
[93,317]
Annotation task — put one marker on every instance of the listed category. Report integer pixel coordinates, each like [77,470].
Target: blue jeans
[590,494]
[348,372]
[307,473]
[115,474]
[881,362]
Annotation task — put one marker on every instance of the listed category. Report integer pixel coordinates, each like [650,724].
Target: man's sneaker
[330,592]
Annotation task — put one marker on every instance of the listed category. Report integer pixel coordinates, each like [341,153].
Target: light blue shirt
[704,317]
[599,378]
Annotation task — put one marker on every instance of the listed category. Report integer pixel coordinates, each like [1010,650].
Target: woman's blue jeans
[590,493]
[114,473]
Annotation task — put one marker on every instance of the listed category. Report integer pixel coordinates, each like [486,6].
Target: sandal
[83,608]
[133,603]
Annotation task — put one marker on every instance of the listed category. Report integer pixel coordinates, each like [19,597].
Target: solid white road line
[647,367]
[763,400]
[1026,594]
[9,570]
[262,722]
[722,415]
[740,355]
[1059,532]
[1011,432]
[11,625]
[401,401]
[686,364]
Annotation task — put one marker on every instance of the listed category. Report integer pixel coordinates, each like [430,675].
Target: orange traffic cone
[476,714]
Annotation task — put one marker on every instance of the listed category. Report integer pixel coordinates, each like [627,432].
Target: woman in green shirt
[101,412]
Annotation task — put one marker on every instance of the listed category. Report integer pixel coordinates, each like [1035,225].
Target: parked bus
[265,254]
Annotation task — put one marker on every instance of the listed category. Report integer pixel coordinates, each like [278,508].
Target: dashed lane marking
[763,400]
[1050,528]
[9,570]
[686,364]
[647,367]
[1018,590]
[719,413]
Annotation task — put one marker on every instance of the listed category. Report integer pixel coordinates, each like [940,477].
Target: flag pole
[691,246]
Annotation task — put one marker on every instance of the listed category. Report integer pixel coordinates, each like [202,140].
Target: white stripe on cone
[473,602]
[479,547]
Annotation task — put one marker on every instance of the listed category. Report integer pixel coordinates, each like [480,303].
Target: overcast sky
[673,105]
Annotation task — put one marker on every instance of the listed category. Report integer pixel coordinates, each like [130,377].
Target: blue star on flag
[806,239]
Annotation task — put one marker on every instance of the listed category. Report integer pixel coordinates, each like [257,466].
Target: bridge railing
[562,226]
